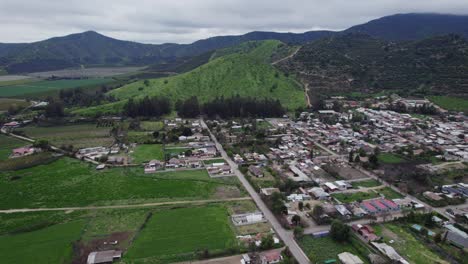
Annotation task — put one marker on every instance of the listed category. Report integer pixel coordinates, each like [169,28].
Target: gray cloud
[184,21]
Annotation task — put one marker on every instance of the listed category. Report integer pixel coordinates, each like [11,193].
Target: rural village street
[285,235]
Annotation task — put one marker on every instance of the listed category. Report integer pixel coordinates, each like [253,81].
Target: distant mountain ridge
[92,48]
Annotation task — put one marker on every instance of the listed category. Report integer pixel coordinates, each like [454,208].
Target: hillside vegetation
[245,71]
[357,62]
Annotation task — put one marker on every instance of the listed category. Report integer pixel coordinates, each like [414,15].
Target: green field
[211,161]
[366,183]
[451,103]
[245,74]
[321,249]
[407,245]
[47,245]
[80,136]
[352,197]
[152,125]
[69,182]
[7,144]
[46,86]
[6,103]
[175,235]
[359,196]
[147,152]
[390,158]
[169,152]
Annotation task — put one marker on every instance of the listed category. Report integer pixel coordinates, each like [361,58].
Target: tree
[296,219]
[298,232]
[146,82]
[277,203]
[351,156]
[318,211]
[41,143]
[267,242]
[339,231]
[301,206]
[54,109]
[438,237]
[374,161]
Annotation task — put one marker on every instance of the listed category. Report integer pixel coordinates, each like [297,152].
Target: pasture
[18,90]
[451,103]
[7,103]
[390,158]
[51,244]
[80,135]
[68,182]
[321,249]
[146,152]
[178,234]
[7,144]
[407,244]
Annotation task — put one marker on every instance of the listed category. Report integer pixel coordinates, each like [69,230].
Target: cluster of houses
[219,169]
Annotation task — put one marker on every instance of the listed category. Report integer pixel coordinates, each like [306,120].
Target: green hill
[244,71]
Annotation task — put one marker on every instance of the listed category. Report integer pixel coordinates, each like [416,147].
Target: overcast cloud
[184,21]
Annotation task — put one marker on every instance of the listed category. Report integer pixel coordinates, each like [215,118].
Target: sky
[185,21]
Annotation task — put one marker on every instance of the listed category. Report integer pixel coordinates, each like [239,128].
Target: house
[319,193]
[331,187]
[343,211]
[238,159]
[246,259]
[379,206]
[153,166]
[457,237]
[270,257]
[107,256]
[21,152]
[248,218]
[390,252]
[343,185]
[365,231]
[369,208]
[348,258]
[432,196]
[390,204]
[12,124]
[174,163]
[115,160]
[256,171]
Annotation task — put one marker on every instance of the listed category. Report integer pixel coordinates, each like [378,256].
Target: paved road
[125,206]
[285,235]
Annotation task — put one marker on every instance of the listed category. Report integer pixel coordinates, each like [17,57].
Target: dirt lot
[82,249]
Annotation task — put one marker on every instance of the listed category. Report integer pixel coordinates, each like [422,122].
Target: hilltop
[357,62]
[244,71]
[91,48]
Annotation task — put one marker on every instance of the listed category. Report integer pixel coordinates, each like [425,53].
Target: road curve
[285,235]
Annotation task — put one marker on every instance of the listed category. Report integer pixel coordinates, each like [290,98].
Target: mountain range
[93,49]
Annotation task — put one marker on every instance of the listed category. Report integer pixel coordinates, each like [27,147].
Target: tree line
[148,106]
[233,107]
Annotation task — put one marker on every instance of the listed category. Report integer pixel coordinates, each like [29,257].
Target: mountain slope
[244,74]
[413,26]
[356,62]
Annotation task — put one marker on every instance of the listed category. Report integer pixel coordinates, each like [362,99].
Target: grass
[7,144]
[46,86]
[366,184]
[6,103]
[359,196]
[175,235]
[389,193]
[80,135]
[152,125]
[407,245]
[352,197]
[451,103]
[147,152]
[67,182]
[321,249]
[169,152]
[48,245]
[103,109]
[390,158]
[211,161]
[244,74]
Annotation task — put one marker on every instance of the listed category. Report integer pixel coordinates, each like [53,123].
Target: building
[256,171]
[248,218]
[365,231]
[432,196]
[271,257]
[348,258]
[343,211]
[457,237]
[390,252]
[369,208]
[153,166]
[21,152]
[107,256]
